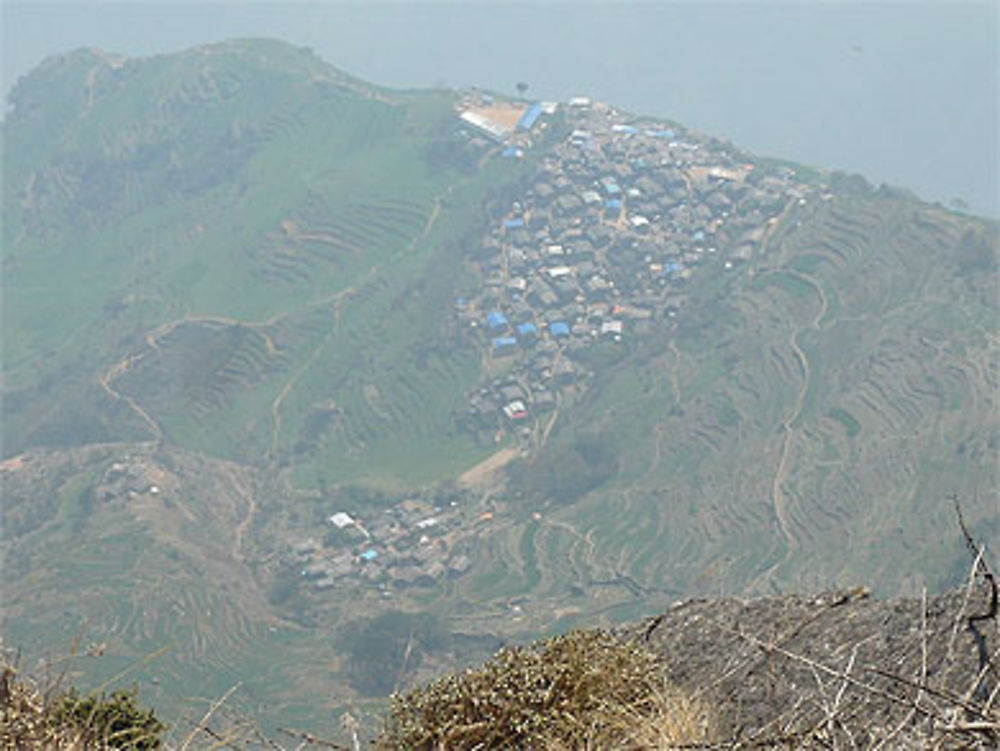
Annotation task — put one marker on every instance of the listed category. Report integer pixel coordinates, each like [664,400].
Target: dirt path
[111,375]
[674,378]
[481,474]
[153,337]
[779,500]
[241,530]
[587,541]
[337,301]
[547,430]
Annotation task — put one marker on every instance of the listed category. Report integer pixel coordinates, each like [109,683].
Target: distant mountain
[330,387]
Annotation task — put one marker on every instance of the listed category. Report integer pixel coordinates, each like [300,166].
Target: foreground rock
[841,670]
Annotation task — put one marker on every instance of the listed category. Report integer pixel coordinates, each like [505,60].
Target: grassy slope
[280,297]
[235,239]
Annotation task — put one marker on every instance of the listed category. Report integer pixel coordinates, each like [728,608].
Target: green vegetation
[580,467]
[46,717]
[383,649]
[290,259]
[231,273]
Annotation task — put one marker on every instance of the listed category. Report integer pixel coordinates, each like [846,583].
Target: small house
[515,411]
[341,520]
[504,345]
[527,333]
[559,329]
[497,321]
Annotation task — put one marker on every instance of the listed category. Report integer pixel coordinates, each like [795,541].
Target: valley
[291,360]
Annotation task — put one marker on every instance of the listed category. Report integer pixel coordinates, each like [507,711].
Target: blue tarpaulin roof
[613,203]
[527,329]
[530,116]
[504,341]
[369,555]
[513,223]
[559,328]
[661,133]
[496,320]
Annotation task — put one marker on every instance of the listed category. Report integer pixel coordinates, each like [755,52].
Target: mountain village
[602,245]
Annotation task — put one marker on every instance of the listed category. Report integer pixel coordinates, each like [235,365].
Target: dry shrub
[32,718]
[585,689]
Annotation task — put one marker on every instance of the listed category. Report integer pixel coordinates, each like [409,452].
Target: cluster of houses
[619,218]
[411,544]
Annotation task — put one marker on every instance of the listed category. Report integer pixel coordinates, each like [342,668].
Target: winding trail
[779,500]
[153,337]
[111,375]
[336,300]
[674,378]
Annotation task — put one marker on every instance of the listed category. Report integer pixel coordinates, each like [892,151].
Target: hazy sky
[905,93]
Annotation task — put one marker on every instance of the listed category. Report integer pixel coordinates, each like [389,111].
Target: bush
[568,472]
[113,720]
[382,649]
[586,689]
[30,718]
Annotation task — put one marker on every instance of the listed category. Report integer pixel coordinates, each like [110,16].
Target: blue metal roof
[526,329]
[504,341]
[530,117]
[513,223]
[613,203]
[496,320]
[559,328]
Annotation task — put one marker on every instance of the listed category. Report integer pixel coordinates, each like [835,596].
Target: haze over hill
[905,93]
[329,386]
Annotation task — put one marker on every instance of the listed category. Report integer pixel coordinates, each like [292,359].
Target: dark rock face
[841,670]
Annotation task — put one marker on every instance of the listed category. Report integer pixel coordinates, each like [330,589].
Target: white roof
[485,124]
[341,520]
[559,271]
[515,407]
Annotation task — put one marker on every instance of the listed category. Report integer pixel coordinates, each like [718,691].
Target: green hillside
[245,216]
[811,422]
[313,387]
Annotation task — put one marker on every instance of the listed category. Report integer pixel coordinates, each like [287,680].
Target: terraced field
[249,298]
[210,348]
[847,338]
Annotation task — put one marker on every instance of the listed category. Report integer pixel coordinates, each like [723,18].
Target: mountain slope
[234,199]
[810,425]
[405,392]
